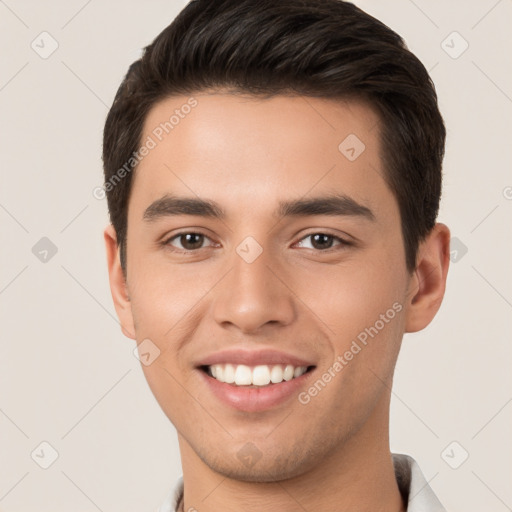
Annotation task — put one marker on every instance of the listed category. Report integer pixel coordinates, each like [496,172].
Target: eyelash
[342,242]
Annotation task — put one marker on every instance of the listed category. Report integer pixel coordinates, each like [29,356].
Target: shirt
[415,490]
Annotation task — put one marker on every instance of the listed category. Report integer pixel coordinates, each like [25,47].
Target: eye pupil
[324,241]
[192,240]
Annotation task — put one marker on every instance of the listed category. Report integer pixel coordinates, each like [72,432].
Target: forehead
[246,151]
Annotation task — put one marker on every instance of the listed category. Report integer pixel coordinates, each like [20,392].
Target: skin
[247,154]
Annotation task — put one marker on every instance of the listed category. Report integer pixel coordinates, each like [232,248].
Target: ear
[428,282]
[117,281]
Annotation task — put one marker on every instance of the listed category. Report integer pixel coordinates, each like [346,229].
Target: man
[273,174]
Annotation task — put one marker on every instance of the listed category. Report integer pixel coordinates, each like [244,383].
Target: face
[288,253]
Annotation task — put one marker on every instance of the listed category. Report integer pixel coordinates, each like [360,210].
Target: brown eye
[323,241]
[187,241]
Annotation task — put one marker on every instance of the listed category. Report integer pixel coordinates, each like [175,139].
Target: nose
[254,295]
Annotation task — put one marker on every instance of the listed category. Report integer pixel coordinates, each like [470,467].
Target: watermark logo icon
[44,250]
[249,454]
[351,147]
[146,352]
[44,45]
[454,45]
[454,455]
[249,249]
[44,455]
[458,249]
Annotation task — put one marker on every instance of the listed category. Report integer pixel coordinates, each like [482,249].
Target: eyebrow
[334,204]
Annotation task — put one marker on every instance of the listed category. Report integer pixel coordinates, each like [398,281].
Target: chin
[269,473]
[250,465]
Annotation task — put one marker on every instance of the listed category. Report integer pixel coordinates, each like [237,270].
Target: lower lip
[256,398]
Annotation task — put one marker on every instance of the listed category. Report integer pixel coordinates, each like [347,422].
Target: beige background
[67,374]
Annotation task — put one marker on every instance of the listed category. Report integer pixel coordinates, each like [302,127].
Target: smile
[260,375]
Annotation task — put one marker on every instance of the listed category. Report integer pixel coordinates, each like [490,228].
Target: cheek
[164,297]
[362,304]
[174,395]
[352,297]
[365,315]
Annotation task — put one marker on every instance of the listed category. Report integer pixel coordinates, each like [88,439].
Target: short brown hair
[317,48]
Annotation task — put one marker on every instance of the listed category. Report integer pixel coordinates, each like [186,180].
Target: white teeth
[219,372]
[276,375]
[288,372]
[261,375]
[229,374]
[243,375]
[300,370]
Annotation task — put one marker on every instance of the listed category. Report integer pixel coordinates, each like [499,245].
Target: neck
[358,475]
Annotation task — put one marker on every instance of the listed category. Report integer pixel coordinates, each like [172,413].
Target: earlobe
[428,283]
[118,287]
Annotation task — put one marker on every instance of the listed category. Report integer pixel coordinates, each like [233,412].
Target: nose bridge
[252,296]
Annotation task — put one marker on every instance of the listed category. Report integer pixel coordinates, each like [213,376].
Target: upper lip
[253,358]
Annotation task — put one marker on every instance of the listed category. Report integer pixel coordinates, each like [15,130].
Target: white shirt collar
[412,484]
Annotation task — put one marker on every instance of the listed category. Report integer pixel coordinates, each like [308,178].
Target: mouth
[254,380]
[259,376]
